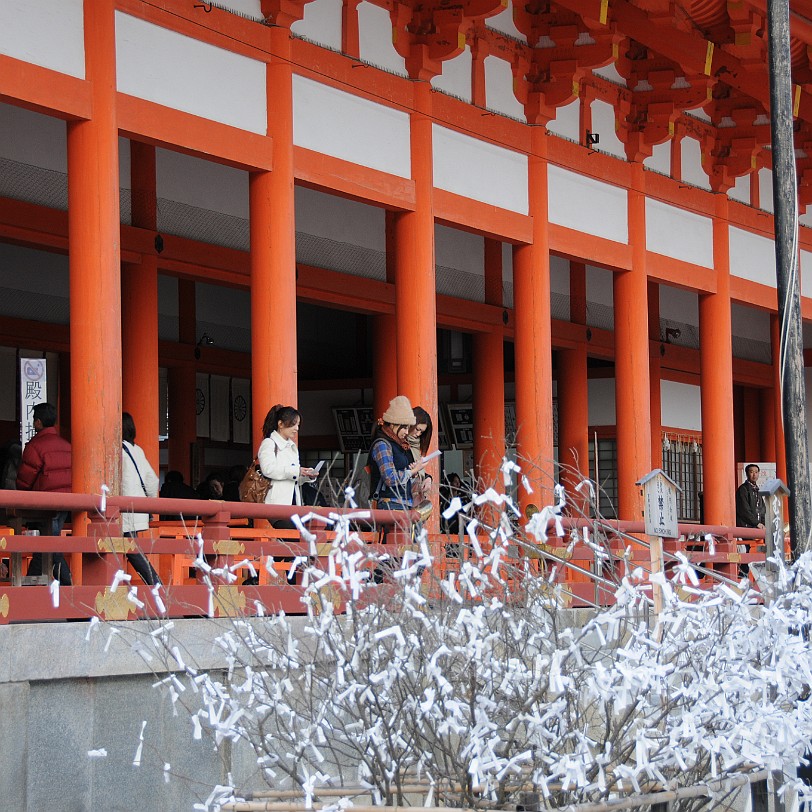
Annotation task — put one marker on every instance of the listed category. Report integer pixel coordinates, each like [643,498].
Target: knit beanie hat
[399,412]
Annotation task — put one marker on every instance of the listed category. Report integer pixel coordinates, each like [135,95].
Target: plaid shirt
[397,481]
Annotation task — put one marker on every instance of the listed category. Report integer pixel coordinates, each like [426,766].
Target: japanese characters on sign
[660,498]
[33,390]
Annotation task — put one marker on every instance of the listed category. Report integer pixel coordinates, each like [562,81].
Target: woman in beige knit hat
[391,464]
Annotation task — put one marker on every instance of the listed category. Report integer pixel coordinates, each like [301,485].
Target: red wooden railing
[96,551]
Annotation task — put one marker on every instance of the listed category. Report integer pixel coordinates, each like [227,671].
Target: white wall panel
[752,257]
[33,138]
[749,322]
[679,233]
[456,76]
[49,33]
[173,70]
[336,218]
[600,286]
[375,39]
[765,190]
[603,123]
[587,205]
[741,190]
[602,402]
[499,93]
[660,158]
[201,183]
[253,8]
[692,171]
[677,304]
[459,249]
[680,406]
[567,121]
[472,168]
[504,22]
[559,275]
[321,23]
[345,126]
[806,273]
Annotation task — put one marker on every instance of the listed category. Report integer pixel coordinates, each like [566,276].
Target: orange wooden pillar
[274,367]
[489,381]
[655,376]
[183,386]
[415,283]
[573,393]
[632,387]
[94,239]
[416,299]
[531,290]
[716,359]
[778,412]
[385,343]
[139,311]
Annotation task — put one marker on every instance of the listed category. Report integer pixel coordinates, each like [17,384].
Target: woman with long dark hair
[419,441]
[279,458]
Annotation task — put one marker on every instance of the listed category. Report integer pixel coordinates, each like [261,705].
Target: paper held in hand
[319,465]
[431,456]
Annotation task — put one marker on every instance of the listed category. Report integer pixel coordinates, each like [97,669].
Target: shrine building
[548,224]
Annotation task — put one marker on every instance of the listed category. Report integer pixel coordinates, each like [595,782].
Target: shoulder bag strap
[135,464]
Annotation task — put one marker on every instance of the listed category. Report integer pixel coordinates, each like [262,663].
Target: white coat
[131,486]
[279,461]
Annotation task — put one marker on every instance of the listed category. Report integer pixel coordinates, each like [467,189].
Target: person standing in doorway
[750,509]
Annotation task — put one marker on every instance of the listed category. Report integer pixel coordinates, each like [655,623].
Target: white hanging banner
[202,404]
[219,395]
[33,390]
[241,410]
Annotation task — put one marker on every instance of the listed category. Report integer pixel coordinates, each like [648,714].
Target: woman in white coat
[137,479]
[279,459]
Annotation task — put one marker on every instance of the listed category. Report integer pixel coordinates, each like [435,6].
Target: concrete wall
[63,695]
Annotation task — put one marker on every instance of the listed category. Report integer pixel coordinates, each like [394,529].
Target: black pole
[785,199]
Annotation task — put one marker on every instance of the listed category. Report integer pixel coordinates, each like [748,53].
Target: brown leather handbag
[255,485]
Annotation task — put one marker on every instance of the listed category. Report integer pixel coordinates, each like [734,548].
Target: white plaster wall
[201,183]
[603,123]
[567,121]
[33,138]
[805,219]
[124,162]
[752,257]
[587,205]
[677,304]
[504,22]
[49,33]
[459,249]
[600,286]
[499,93]
[173,70]
[679,233]
[456,76]
[375,39]
[338,219]
[559,275]
[349,127]
[692,171]
[741,190]
[681,406]
[765,190]
[253,8]
[321,23]
[806,273]
[660,158]
[473,168]
[610,72]
[602,402]
[748,322]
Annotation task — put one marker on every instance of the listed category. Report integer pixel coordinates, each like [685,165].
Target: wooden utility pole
[785,199]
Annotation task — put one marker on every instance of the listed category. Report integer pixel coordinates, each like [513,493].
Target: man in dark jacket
[749,505]
[46,466]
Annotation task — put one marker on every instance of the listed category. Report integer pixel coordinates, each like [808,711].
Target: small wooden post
[660,515]
[773,492]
